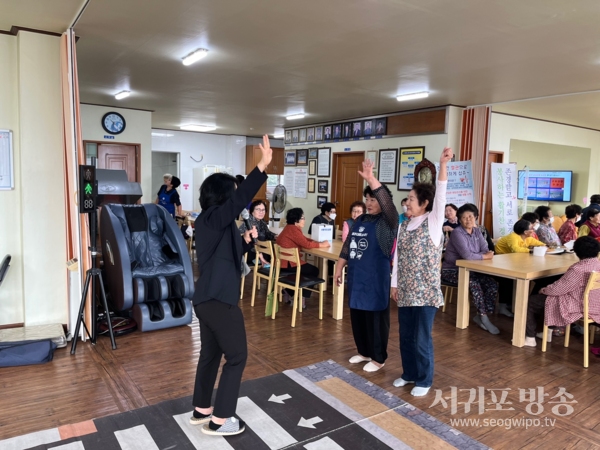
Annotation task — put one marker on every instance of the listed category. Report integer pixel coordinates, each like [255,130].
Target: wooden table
[331,254]
[522,267]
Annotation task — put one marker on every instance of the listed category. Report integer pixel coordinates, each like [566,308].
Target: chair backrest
[287,254]
[265,247]
[4,267]
[592,285]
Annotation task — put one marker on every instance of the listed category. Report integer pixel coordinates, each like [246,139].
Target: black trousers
[307,270]
[222,332]
[371,330]
[536,306]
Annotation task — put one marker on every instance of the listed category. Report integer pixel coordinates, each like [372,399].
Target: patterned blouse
[386,228]
[567,232]
[264,234]
[564,304]
[547,234]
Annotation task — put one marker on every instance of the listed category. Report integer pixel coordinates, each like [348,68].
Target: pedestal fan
[278,202]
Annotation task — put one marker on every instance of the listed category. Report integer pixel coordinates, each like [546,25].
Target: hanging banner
[460,182]
[504,198]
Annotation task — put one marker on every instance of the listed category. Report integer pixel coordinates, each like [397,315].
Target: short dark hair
[255,203]
[239,179]
[586,247]
[521,226]
[294,215]
[572,211]
[530,217]
[175,182]
[405,199]
[467,207]
[358,203]
[424,191]
[451,205]
[542,212]
[595,198]
[592,213]
[369,191]
[327,206]
[216,190]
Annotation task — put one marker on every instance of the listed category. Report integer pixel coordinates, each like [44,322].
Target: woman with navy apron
[367,251]
[168,197]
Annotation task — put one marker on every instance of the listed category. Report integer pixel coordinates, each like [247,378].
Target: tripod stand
[91,276]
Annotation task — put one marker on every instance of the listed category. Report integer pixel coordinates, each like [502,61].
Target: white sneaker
[399,382]
[548,337]
[529,342]
[358,359]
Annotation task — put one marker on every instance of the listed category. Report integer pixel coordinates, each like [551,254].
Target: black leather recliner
[148,268]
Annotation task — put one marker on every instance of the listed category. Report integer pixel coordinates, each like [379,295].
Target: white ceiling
[333,60]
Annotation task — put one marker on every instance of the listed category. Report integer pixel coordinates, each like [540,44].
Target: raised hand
[367,172]
[447,155]
[267,154]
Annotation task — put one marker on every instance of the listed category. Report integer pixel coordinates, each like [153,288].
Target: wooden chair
[592,285]
[266,248]
[296,282]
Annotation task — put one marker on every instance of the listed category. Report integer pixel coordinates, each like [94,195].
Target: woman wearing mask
[568,230]
[403,215]
[546,232]
[327,216]
[357,209]
[534,219]
[591,227]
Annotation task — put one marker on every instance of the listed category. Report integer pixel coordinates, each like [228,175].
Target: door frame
[334,174]
[138,154]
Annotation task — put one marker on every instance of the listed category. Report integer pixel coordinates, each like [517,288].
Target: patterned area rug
[318,407]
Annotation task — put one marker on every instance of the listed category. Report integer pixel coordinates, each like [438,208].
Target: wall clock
[113,122]
[425,172]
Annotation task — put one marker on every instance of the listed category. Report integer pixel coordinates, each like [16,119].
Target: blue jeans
[416,344]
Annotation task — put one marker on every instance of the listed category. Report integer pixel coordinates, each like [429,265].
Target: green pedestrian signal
[88,189]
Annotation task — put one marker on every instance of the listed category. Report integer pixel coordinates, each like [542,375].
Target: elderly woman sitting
[291,237]
[519,241]
[591,227]
[467,242]
[546,232]
[258,209]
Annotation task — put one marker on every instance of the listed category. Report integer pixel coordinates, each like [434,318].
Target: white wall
[137,131]
[505,128]
[434,145]
[32,221]
[211,149]
[454,121]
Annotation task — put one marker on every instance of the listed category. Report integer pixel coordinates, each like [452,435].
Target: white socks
[358,359]
[419,391]
[370,367]
[549,335]
[529,342]
[399,382]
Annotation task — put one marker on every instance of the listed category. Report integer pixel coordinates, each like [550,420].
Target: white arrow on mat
[279,398]
[309,423]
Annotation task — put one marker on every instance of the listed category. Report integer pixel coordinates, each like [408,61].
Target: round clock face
[113,123]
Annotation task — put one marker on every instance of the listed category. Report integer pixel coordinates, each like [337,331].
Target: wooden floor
[151,367]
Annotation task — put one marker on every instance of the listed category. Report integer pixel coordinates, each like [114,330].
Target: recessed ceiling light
[278,136]
[416,95]
[201,128]
[162,134]
[295,116]
[122,94]
[196,55]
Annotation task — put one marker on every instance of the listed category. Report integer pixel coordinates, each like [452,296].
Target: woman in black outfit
[219,248]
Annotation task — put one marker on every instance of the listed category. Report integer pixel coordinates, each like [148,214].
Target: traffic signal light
[87,189]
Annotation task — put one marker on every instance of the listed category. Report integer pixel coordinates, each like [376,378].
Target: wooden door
[347,183]
[488,218]
[120,157]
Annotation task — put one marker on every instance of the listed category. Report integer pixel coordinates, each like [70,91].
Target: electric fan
[278,201]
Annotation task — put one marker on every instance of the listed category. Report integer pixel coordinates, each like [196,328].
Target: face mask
[404,208]
[332,216]
[536,226]
[551,219]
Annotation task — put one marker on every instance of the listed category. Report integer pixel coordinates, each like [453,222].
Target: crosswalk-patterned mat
[319,407]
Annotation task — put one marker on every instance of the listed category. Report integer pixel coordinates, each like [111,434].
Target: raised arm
[436,216]
[384,198]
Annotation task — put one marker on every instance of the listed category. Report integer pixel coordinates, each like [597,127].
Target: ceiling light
[162,134]
[196,55]
[416,95]
[278,136]
[122,94]
[295,116]
[201,128]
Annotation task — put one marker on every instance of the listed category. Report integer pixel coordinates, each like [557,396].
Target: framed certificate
[388,160]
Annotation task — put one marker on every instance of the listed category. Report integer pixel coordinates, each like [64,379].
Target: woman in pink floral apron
[416,278]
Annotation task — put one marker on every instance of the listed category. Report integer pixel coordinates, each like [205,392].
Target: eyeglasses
[259,209]
[302,218]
